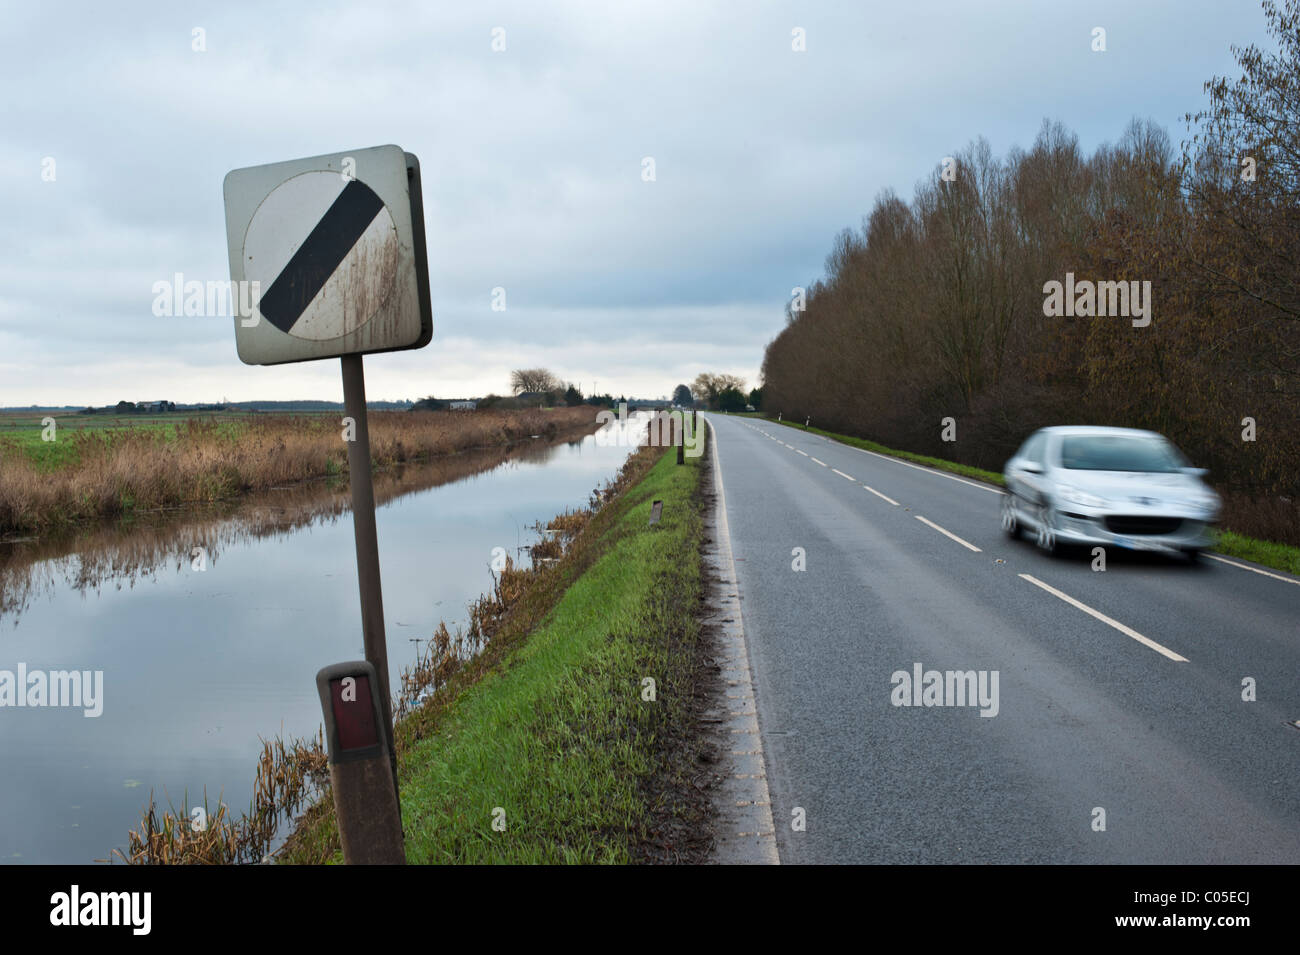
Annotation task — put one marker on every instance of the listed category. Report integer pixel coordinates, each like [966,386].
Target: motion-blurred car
[1114,487]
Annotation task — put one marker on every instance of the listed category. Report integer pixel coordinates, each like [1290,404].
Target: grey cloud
[531,161]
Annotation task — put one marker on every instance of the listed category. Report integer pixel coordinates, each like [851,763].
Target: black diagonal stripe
[318,257]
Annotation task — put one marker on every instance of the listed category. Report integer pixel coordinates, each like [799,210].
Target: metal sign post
[367,539]
[328,259]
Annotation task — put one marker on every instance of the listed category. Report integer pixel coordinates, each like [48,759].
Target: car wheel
[1046,539]
[1192,556]
[1010,523]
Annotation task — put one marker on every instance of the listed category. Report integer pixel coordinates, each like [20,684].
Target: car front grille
[1137,524]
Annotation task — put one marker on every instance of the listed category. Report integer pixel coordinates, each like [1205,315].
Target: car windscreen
[1107,452]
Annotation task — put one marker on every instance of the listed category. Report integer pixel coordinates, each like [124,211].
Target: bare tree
[708,385]
[533,379]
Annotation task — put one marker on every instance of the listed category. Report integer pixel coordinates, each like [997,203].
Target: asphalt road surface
[1118,692]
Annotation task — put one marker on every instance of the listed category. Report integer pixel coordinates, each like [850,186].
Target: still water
[199,664]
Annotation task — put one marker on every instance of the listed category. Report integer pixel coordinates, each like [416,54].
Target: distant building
[462,405]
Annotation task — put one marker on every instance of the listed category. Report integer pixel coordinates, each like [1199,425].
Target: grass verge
[1268,553]
[552,731]
[1230,544]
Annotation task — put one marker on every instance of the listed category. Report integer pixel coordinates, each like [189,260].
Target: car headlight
[1075,495]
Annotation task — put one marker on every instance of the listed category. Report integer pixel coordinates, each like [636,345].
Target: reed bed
[122,553]
[288,777]
[114,472]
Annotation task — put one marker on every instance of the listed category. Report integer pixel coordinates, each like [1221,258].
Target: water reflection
[124,552]
[198,664]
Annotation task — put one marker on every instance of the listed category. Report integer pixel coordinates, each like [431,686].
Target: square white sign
[333,253]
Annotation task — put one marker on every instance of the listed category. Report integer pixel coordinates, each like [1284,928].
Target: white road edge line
[918,467]
[847,477]
[1253,570]
[945,533]
[1127,631]
[763,802]
[882,496]
[815,461]
[908,464]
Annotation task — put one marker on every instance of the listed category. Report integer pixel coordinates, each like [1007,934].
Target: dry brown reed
[123,553]
[115,472]
[288,775]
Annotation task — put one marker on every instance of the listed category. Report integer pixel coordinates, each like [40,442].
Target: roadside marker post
[365,799]
[328,259]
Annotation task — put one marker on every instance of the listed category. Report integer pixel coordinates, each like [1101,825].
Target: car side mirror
[1033,467]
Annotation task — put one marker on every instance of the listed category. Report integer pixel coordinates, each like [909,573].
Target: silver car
[1114,487]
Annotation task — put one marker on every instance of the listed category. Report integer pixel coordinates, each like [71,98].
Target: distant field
[108,466]
[21,420]
[22,432]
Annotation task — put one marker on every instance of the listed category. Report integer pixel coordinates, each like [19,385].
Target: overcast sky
[532,165]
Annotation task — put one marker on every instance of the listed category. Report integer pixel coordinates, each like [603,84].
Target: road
[1118,691]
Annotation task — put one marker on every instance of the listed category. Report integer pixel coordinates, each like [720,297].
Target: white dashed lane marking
[964,543]
[1127,631]
[885,457]
[884,497]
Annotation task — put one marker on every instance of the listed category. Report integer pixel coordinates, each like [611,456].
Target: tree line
[945,307]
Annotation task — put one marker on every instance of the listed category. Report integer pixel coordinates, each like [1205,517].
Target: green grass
[554,731]
[1270,554]
[25,434]
[46,455]
[1266,553]
[559,737]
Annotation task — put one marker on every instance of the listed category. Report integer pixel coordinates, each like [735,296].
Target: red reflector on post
[354,712]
